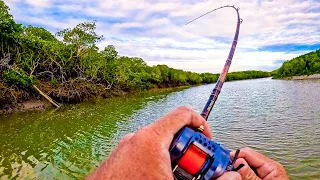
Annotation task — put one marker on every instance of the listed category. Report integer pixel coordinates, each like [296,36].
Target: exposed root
[78,90]
[72,91]
[11,96]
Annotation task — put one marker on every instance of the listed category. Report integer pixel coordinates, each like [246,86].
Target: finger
[171,123]
[278,173]
[230,176]
[252,157]
[246,172]
[263,164]
[126,138]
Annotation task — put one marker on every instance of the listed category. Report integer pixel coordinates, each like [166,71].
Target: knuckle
[184,108]
[240,161]
[280,174]
[146,137]
[126,138]
[156,131]
[280,168]
[142,131]
[247,149]
[251,176]
[148,133]
[238,177]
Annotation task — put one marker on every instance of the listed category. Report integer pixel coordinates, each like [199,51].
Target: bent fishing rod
[217,89]
[194,156]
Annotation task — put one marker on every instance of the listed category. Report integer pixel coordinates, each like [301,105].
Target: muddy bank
[313,76]
[17,99]
[42,103]
[26,106]
[163,89]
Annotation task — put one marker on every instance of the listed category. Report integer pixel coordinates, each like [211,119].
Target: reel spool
[194,156]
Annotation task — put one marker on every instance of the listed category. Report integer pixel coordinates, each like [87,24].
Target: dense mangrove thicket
[73,69]
[306,64]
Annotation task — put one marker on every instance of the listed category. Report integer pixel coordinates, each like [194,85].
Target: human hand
[265,167]
[145,154]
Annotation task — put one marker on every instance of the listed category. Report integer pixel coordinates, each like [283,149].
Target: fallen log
[46,96]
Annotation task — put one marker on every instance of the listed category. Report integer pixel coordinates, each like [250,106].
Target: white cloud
[155,30]
[39,3]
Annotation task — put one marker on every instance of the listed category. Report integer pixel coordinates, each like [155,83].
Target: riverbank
[305,77]
[43,104]
[31,105]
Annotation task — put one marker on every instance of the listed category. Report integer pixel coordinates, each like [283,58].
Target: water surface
[278,118]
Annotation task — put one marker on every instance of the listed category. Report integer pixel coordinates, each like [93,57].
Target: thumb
[246,172]
[170,124]
[230,176]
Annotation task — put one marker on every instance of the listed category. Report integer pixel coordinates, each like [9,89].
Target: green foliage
[178,76]
[54,82]
[306,64]
[9,30]
[155,73]
[165,70]
[82,36]
[4,14]
[40,33]
[131,73]
[194,78]
[19,78]
[247,75]
[209,78]
[109,53]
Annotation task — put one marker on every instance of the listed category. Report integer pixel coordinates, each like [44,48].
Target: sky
[271,32]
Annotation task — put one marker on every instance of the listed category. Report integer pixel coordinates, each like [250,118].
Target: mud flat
[313,76]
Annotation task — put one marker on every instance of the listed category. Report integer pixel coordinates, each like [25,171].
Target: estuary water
[276,117]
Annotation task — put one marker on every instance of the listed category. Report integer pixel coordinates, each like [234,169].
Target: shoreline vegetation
[306,66]
[69,68]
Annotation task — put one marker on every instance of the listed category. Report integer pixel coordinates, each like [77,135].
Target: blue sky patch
[290,47]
